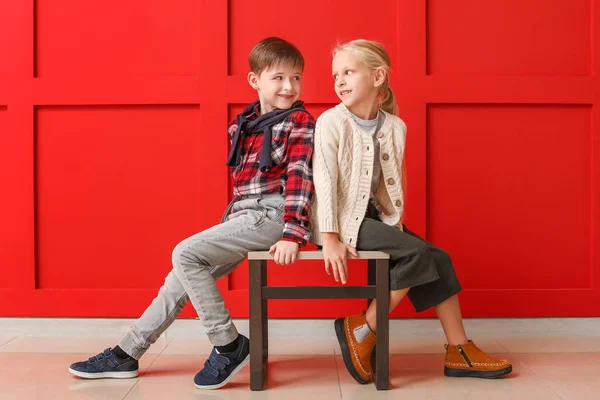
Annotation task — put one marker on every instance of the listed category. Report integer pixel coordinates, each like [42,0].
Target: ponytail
[388,101]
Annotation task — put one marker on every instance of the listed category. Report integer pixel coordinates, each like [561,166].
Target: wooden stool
[377,287]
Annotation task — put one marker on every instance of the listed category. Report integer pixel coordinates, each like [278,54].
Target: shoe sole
[341,337]
[103,375]
[465,373]
[229,378]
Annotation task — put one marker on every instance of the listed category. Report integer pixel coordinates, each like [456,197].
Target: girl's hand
[379,208]
[284,252]
[335,255]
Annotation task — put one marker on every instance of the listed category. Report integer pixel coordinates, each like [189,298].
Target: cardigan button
[398,203]
[380,135]
[391,181]
[385,157]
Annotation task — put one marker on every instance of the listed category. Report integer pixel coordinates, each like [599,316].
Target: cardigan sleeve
[399,145]
[399,149]
[325,171]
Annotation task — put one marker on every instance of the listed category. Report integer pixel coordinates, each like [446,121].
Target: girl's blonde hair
[374,55]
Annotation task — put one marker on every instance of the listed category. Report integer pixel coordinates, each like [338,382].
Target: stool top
[318,255]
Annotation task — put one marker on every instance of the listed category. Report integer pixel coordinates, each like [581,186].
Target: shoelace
[100,356]
[216,363]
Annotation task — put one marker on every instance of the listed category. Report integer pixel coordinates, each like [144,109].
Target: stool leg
[382,344]
[371,276]
[265,322]
[258,317]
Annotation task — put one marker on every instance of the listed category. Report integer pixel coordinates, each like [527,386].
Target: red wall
[113,144]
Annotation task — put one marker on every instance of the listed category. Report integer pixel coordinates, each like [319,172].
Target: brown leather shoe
[468,360]
[356,355]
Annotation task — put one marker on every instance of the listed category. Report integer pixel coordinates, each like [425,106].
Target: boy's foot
[468,360]
[219,369]
[106,365]
[356,353]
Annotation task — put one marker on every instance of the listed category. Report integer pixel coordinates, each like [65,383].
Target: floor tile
[421,377]
[62,344]
[277,346]
[563,368]
[27,376]
[290,377]
[5,339]
[551,344]
[566,361]
[571,375]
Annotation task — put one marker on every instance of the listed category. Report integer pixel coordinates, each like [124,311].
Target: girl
[359,184]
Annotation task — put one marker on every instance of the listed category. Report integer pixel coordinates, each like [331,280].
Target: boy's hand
[335,255]
[284,252]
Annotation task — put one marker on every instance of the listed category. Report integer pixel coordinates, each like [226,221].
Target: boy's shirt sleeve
[299,188]
[231,128]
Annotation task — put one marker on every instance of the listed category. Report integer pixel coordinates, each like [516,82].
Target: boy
[270,160]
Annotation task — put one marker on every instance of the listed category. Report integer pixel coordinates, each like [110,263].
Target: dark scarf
[263,124]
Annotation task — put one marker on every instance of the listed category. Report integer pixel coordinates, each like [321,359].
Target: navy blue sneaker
[219,369]
[106,365]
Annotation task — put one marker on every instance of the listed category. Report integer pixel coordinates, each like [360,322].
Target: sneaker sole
[341,337]
[102,375]
[229,378]
[465,373]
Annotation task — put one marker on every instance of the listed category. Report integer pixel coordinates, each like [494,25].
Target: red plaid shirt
[291,151]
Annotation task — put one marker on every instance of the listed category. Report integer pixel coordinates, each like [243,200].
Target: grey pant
[414,263]
[254,224]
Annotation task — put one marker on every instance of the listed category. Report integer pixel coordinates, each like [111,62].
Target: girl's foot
[357,343]
[468,360]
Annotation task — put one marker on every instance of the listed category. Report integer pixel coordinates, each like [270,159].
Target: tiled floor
[544,368]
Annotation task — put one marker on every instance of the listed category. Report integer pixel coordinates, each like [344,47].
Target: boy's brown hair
[274,51]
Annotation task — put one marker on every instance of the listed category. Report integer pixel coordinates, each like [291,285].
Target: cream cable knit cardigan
[342,168]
